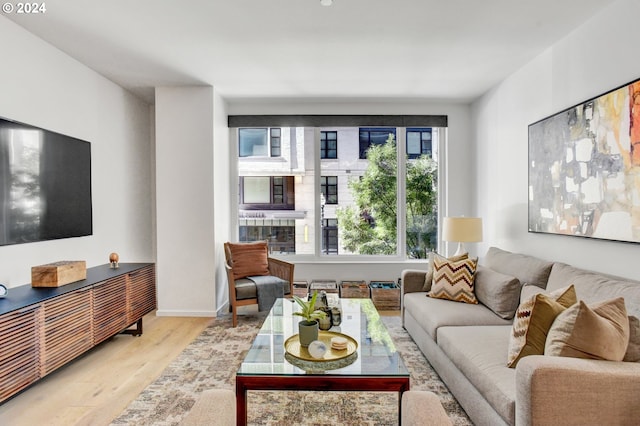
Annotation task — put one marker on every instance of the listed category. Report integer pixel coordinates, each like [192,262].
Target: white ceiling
[356,49]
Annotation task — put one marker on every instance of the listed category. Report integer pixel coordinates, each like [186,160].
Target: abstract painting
[584,168]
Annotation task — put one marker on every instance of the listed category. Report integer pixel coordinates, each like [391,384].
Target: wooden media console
[41,329]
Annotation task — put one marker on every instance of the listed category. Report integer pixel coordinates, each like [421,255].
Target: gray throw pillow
[498,292]
[527,269]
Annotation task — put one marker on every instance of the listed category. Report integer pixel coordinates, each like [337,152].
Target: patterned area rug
[212,359]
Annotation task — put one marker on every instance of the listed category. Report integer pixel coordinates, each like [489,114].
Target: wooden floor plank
[98,386]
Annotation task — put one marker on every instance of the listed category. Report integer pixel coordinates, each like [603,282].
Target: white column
[184,201]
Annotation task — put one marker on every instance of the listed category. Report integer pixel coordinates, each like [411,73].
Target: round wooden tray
[293,348]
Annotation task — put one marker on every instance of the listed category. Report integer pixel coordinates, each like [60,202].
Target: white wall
[222,195]
[600,55]
[185,201]
[41,86]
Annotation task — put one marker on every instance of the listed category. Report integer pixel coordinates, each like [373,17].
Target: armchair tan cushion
[249,259]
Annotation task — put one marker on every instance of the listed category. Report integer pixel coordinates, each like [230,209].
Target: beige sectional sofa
[467,344]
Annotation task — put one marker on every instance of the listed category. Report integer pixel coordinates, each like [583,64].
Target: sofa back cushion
[596,287]
[527,269]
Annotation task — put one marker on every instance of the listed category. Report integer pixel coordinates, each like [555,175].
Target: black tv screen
[45,185]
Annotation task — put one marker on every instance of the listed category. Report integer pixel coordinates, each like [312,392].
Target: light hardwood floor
[98,386]
[95,388]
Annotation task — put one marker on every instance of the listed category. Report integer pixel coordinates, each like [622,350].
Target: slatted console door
[42,329]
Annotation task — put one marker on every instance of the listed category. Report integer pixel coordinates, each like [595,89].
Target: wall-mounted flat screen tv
[45,185]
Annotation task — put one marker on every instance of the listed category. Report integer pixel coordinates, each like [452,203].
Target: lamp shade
[462,229]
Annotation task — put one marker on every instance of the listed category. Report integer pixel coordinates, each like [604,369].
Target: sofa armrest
[412,280]
[572,391]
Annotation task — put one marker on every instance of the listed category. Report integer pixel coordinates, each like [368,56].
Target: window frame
[272,142]
[364,145]
[328,228]
[439,144]
[288,197]
[275,142]
[324,141]
[325,186]
[423,148]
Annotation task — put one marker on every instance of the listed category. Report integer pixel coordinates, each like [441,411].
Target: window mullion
[317,191]
[401,191]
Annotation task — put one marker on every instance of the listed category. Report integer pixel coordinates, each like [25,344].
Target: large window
[378,198]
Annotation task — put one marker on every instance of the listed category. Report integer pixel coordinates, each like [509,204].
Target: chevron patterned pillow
[454,279]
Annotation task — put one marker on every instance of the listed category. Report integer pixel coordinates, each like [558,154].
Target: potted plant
[308,327]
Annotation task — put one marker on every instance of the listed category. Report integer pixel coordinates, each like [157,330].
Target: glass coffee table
[375,365]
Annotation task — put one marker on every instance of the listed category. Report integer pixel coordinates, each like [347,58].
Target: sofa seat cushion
[594,287]
[433,313]
[246,289]
[480,352]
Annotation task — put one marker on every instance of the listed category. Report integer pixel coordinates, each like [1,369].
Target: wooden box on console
[58,273]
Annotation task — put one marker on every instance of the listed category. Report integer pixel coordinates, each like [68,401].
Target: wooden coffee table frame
[316,383]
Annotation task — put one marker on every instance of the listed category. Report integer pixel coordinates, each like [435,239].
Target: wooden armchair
[250,259]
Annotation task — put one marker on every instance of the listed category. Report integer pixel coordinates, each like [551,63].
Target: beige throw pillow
[533,320]
[599,331]
[428,278]
[453,280]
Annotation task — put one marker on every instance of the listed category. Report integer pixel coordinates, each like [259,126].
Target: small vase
[308,332]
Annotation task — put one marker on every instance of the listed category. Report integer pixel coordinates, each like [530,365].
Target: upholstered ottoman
[419,408]
[422,408]
[215,406]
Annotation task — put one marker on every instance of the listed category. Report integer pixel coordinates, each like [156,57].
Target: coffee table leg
[400,408]
[241,403]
